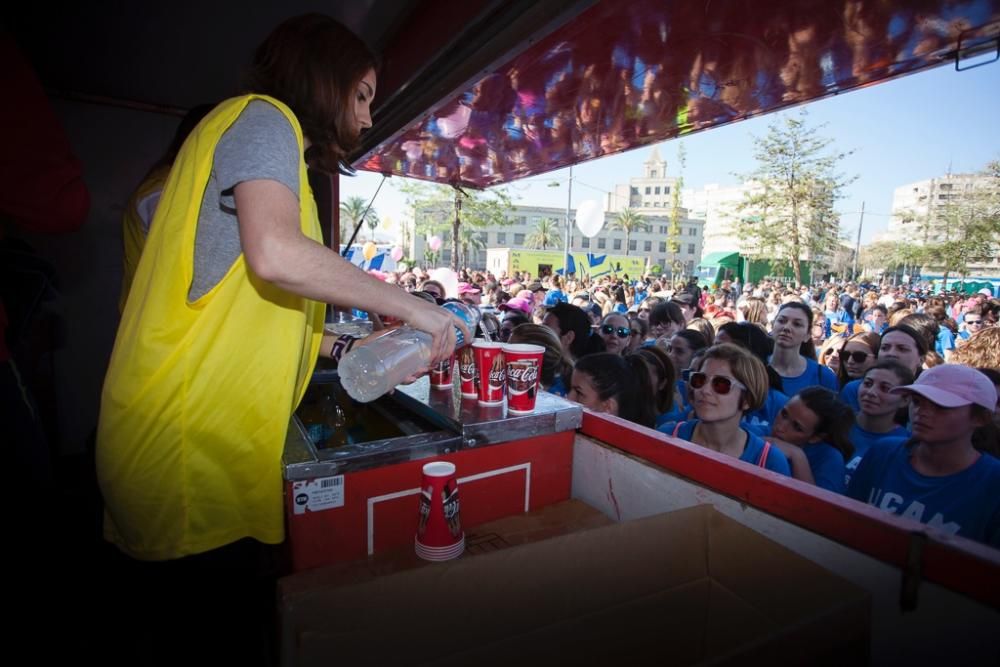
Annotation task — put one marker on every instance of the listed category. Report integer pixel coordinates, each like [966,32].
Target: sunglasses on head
[857,356]
[621,332]
[721,384]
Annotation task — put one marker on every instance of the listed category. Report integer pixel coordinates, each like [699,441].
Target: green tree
[546,234]
[443,210]
[470,240]
[629,220]
[351,212]
[789,210]
[674,232]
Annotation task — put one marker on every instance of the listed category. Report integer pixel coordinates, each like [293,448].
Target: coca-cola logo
[523,374]
[467,370]
[497,377]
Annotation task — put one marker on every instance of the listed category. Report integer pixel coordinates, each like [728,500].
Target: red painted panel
[957,563]
[341,534]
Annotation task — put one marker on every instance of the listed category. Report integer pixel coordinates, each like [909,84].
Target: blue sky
[902,131]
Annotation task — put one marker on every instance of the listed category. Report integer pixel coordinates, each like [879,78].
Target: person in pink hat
[937,477]
[470,294]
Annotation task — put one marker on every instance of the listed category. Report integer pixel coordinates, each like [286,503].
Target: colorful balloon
[396,254]
[434,243]
[368,250]
[448,278]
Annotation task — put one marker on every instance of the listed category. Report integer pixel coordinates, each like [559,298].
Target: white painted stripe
[526,467]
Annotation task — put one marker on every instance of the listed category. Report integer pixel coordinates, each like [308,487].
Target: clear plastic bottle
[372,370]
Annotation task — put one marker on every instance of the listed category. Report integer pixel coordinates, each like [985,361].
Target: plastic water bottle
[372,370]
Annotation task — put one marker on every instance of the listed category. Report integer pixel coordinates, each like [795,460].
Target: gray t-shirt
[259,145]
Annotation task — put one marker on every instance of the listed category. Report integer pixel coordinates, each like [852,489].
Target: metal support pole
[857,246]
[569,225]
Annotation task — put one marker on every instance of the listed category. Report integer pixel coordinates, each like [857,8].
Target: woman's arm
[278,252]
[796,458]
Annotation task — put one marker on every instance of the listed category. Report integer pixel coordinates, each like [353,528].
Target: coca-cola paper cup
[439,527]
[492,372]
[467,372]
[441,373]
[524,367]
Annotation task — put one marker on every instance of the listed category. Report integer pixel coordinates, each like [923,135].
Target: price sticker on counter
[319,494]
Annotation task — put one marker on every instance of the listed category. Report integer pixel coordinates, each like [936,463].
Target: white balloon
[448,278]
[589,217]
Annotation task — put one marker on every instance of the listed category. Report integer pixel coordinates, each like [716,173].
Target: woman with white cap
[937,477]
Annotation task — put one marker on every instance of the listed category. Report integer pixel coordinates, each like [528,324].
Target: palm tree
[351,212]
[545,234]
[372,221]
[630,221]
[470,239]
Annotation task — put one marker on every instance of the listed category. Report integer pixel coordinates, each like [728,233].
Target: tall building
[920,213]
[718,206]
[654,208]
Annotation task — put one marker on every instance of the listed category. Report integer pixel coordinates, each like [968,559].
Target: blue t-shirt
[813,375]
[759,421]
[554,296]
[827,464]
[864,441]
[966,503]
[752,452]
[558,387]
[620,308]
[945,340]
[849,395]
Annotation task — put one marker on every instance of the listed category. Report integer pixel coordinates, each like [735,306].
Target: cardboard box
[685,587]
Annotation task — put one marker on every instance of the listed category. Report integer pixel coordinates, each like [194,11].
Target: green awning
[725,259]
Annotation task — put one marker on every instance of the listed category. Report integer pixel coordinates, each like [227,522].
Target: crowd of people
[884,393]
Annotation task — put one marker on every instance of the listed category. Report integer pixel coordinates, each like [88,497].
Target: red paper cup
[492,372]
[439,530]
[467,372]
[524,367]
[441,373]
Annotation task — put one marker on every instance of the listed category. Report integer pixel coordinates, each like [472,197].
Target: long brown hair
[314,64]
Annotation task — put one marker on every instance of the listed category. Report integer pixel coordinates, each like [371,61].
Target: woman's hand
[439,323]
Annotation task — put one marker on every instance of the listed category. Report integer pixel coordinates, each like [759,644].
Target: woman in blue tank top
[729,382]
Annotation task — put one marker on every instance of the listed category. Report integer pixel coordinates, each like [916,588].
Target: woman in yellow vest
[141,205]
[224,319]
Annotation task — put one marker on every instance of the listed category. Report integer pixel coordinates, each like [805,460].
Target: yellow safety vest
[133,234]
[198,395]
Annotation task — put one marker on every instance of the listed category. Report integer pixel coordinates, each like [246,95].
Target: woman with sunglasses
[730,383]
[829,352]
[755,339]
[876,418]
[899,343]
[615,332]
[816,423]
[794,357]
[857,356]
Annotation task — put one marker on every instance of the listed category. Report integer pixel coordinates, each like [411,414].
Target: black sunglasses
[970,323]
[857,356]
[721,384]
[622,332]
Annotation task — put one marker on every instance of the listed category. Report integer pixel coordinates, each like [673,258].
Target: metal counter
[414,422]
